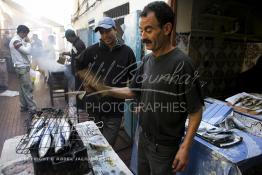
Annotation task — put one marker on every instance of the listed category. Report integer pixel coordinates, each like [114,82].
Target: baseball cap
[105,23]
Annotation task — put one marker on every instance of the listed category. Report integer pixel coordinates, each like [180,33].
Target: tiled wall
[219,61]
[217,42]
[182,41]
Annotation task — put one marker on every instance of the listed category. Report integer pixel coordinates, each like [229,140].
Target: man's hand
[181,159]
[88,88]
[27,40]
[92,83]
[65,53]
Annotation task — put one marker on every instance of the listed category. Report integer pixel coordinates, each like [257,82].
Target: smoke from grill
[45,56]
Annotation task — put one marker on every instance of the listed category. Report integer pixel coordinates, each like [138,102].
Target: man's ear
[167,28]
[114,28]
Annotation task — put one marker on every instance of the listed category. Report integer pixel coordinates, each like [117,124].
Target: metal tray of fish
[51,133]
[246,101]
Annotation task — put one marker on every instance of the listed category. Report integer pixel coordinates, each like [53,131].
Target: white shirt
[20,50]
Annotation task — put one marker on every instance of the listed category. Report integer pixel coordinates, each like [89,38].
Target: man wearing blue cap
[112,62]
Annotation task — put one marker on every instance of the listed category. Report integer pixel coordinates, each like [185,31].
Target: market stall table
[238,159]
[101,156]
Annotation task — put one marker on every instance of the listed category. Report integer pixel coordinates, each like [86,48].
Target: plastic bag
[32,75]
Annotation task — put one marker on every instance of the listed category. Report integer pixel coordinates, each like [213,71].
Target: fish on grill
[45,143]
[50,130]
[53,126]
[37,125]
[59,141]
[35,138]
[65,129]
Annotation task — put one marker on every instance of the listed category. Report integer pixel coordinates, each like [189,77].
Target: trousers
[25,88]
[155,159]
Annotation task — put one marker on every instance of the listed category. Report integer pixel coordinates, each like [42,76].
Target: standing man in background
[6,51]
[112,61]
[36,51]
[37,45]
[20,49]
[78,46]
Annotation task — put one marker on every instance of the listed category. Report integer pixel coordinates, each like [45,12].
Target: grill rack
[62,119]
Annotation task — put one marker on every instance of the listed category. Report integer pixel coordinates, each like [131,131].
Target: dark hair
[70,33]
[162,10]
[22,29]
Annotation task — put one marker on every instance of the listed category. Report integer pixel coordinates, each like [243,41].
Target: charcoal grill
[71,160]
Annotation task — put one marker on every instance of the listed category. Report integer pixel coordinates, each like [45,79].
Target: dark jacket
[79,46]
[114,67]
[250,80]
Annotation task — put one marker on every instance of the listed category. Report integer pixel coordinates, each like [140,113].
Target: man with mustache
[161,149]
[111,61]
